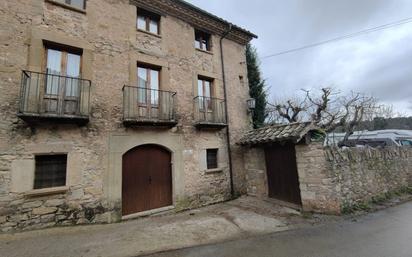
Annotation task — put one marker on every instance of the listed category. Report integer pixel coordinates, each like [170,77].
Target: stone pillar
[256,176]
[318,186]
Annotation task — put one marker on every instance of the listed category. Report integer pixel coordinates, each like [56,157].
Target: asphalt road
[387,233]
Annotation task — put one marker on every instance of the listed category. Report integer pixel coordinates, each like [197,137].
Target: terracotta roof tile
[277,133]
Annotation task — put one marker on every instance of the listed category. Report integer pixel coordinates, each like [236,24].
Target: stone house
[93,91]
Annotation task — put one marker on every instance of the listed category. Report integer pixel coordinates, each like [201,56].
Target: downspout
[232,191]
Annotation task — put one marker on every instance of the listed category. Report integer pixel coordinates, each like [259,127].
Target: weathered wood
[147,179]
[282,173]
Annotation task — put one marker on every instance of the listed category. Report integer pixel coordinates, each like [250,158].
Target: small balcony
[52,97]
[209,112]
[148,107]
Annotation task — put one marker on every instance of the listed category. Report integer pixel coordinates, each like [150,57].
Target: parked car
[377,138]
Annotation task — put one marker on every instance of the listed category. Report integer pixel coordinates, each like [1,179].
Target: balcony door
[205,99]
[148,98]
[62,87]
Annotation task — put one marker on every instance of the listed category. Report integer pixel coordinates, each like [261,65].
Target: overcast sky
[378,63]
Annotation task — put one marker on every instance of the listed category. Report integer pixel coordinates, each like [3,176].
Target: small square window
[211,158]
[50,171]
[148,21]
[202,40]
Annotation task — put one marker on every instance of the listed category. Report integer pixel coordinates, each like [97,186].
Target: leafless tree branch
[329,110]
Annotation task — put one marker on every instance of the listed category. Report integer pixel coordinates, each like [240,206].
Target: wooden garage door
[283,180]
[147,179]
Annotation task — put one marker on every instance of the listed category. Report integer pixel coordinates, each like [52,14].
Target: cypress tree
[256,86]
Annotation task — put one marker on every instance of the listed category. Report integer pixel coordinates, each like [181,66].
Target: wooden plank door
[147,179]
[282,173]
[160,179]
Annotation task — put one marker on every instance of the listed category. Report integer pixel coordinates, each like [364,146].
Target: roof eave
[180,8]
[197,9]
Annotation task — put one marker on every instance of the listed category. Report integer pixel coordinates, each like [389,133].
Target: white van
[388,137]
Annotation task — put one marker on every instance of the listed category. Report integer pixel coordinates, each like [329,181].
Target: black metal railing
[145,105]
[209,110]
[53,95]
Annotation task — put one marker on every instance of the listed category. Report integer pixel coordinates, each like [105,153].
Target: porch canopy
[293,132]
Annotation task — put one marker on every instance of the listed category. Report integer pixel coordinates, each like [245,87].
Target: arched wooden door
[147,179]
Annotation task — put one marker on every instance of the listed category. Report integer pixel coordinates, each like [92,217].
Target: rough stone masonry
[111,46]
[332,179]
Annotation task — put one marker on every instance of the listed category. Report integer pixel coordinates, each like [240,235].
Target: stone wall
[364,173]
[317,180]
[256,176]
[333,179]
[112,47]
[51,210]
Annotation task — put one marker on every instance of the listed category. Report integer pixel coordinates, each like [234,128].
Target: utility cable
[355,34]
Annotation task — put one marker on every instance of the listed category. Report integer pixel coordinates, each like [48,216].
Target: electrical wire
[355,34]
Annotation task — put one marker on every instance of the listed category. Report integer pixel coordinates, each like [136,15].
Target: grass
[367,206]
[307,215]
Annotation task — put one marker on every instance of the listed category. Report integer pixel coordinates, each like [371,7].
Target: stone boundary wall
[332,178]
[364,173]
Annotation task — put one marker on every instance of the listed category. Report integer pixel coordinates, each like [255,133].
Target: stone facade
[112,46]
[333,179]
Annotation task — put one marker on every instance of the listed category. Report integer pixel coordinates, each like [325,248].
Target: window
[64,63]
[406,142]
[204,92]
[81,4]
[211,158]
[148,21]
[50,171]
[202,40]
[148,81]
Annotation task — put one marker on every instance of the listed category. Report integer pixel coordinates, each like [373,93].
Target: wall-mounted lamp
[251,104]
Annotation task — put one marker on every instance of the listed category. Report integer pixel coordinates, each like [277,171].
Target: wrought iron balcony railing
[54,97]
[209,112]
[148,107]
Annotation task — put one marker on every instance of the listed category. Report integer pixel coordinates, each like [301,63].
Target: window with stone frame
[211,158]
[202,40]
[80,4]
[63,62]
[50,171]
[148,21]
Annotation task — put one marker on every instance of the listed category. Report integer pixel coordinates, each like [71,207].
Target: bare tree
[358,108]
[289,110]
[329,110]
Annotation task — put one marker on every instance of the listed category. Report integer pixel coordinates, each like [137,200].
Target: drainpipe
[232,191]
